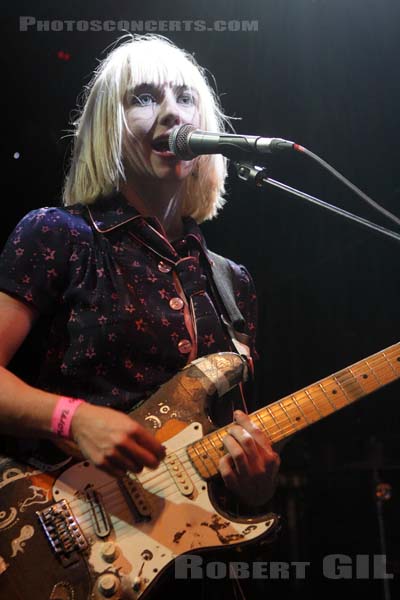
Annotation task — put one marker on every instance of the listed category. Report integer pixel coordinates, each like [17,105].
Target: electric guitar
[86,535]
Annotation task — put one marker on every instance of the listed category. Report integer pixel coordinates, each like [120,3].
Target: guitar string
[85,515]
[194,475]
[288,428]
[123,522]
[142,481]
[85,518]
[83,522]
[292,426]
[277,426]
[351,378]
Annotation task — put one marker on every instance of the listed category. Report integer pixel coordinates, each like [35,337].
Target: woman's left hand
[250,468]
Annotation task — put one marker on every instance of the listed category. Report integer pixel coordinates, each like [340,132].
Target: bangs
[159,63]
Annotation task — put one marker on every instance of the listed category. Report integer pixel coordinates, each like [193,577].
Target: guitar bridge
[63,532]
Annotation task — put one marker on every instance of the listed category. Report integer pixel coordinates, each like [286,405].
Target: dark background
[324,73]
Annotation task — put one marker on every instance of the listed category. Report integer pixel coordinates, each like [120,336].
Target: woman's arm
[110,439]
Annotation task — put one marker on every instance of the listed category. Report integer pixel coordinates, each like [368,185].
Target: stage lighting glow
[61,55]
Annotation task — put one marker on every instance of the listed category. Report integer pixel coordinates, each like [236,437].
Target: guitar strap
[222,282]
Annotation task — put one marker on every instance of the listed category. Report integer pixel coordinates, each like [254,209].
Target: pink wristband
[62,415]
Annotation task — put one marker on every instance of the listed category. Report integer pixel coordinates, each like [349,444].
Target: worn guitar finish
[70,532]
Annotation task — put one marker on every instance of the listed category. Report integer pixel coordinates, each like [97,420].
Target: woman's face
[151,112]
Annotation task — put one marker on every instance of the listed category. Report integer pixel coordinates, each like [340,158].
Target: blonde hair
[97,165]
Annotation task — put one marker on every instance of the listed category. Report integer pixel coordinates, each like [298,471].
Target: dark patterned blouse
[128,308]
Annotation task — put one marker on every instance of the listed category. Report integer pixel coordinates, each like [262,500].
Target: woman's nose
[169,111]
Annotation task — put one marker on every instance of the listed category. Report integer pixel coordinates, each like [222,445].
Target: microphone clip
[251,173]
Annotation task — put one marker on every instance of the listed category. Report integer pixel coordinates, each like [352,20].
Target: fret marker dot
[334,391]
[398,358]
[365,376]
[298,418]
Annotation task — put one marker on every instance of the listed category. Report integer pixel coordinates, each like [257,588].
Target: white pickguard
[178,524]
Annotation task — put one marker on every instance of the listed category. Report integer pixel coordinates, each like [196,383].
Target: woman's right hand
[114,442]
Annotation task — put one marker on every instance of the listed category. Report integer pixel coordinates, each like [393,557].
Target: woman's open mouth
[160,146]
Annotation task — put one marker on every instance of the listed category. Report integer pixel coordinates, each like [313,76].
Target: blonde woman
[123,272]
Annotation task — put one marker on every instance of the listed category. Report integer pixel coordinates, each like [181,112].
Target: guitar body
[72,532]
[28,567]
[68,531]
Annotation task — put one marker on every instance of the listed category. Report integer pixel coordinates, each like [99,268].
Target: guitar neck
[307,406]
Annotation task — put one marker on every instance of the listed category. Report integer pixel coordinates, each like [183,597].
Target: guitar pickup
[135,495]
[100,519]
[63,532]
[179,475]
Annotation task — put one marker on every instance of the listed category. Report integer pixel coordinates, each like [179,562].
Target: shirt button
[176,303]
[164,267]
[184,346]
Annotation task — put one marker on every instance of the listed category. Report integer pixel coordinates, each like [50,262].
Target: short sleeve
[34,261]
[246,300]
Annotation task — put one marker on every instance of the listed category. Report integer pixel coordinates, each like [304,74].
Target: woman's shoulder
[238,272]
[60,221]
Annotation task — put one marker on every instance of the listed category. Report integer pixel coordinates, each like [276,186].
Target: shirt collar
[110,212]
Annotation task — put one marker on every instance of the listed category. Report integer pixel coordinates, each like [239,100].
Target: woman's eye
[186,98]
[144,99]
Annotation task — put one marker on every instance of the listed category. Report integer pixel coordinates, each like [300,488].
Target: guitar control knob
[108,551]
[108,584]
[137,584]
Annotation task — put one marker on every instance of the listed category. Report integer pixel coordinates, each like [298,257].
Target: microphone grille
[178,141]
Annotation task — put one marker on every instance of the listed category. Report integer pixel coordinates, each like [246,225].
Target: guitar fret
[210,449]
[394,364]
[263,426]
[207,452]
[342,388]
[368,383]
[281,404]
[220,438]
[389,363]
[383,369]
[359,387]
[356,378]
[194,446]
[216,449]
[373,372]
[300,409]
[331,402]
[313,403]
[273,417]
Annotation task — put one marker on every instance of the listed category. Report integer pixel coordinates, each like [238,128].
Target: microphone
[186,142]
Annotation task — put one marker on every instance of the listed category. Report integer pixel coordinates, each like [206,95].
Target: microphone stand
[258,176]
[382,493]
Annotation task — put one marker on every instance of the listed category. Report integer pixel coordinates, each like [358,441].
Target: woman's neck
[160,201]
